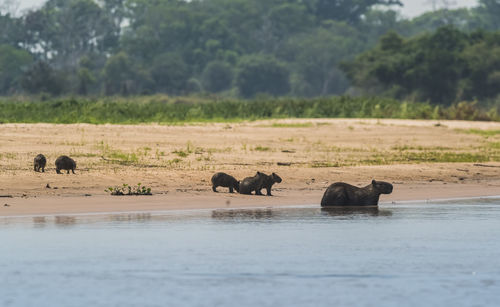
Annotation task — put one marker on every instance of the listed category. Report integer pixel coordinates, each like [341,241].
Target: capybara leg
[43,169]
[72,170]
[214,188]
[269,192]
[231,190]
[58,171]
[258,192]
[34,167]
[67,171]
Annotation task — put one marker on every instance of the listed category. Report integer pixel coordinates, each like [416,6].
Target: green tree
[490,12]
[315,57]
[428,67]
[13,63]
[481,79]
[122,76]
[217,76]
[42,78]
[346,10]
[170,73]
[63,31]
[262,74]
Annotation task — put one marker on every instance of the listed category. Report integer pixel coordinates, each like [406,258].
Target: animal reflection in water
[353,211]
[60,221]
[287,213]
[132,217]
[243,214]
[65,221]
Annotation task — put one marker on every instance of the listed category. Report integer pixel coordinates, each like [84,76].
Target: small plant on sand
[261,148]
[126,189]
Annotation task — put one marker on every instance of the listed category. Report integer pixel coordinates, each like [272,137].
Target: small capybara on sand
[224,180]
[344,194]
[39,163]
[250,184]
[66,163]
[269,181]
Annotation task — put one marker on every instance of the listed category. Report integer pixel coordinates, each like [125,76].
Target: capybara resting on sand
[344,194]
[66,163]
[224,180]
[39,163]
[250,184]
[269,181]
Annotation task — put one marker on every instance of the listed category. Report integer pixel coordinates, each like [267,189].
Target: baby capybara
[250,184]
[224,180]
[39,163]
[268,182]
[66,163]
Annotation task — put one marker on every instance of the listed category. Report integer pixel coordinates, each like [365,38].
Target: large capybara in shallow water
[224,180]
[66,163]
[39,163]
[250,184]
[343,194]
[268,182]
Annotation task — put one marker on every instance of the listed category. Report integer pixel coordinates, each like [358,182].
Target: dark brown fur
[250,184]
[66,163]
[39,163]
[268,182]
[224,180]
[343,194]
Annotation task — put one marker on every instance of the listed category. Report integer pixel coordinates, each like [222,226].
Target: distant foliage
[444,67]
[160,109]
[217,76]
[262,75]
[249,48]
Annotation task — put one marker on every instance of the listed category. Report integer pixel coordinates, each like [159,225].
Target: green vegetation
[261,148]
[162,109]
[241,48]
[485,133]
[129,190]
[490,154]
[444,67]
[292,125]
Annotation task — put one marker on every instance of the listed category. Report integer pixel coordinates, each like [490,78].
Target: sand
[177,162]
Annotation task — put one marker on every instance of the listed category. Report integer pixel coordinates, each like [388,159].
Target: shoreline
[421,158]
[71,205]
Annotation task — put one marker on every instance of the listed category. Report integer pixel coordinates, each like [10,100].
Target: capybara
[66,163]
[344,194]
[224,180]
[250,184]
[39,163]
[268,182]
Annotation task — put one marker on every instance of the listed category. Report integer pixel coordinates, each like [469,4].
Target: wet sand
[177,162]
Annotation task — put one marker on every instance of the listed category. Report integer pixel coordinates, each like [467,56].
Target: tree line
[240,48]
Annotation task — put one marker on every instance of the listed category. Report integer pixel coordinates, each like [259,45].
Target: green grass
[112,155]
[261,148]
[292,125]
[485,133]
[181,153]
[180,110]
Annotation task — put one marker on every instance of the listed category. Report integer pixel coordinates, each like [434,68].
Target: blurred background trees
[240,48]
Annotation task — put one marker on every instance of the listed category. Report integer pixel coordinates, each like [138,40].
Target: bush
[217,76]
[167,110]
[262,74]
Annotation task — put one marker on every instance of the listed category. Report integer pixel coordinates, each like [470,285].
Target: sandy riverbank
[178,161]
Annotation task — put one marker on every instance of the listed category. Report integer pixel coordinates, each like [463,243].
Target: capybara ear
[274,174]
[373,181]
